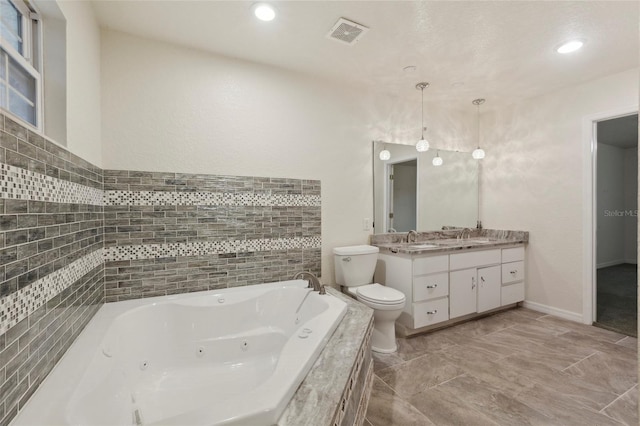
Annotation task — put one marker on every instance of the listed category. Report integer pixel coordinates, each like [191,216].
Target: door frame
[388,189]
[589,211]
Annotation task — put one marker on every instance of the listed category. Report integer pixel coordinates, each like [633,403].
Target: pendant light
[437,160]
[385,154]
[478,153]
[423,144]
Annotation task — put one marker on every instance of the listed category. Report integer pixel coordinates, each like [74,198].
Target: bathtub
[223,357]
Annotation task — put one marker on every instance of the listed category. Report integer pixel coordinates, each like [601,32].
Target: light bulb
[437,161]
[422,145]
[264,12]
[385,155]
[478,153]
[570,46]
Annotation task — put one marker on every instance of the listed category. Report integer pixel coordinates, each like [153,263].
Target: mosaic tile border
[203,248]
[18,305]
[200,198]
[21,184]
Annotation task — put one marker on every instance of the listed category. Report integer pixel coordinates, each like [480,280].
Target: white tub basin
[223,357]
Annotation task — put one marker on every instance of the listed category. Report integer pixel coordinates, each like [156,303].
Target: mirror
[422,196]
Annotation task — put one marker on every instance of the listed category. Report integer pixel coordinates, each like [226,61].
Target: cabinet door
[462,292]
[489,288]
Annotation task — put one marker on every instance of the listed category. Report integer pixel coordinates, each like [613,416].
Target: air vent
[347,32]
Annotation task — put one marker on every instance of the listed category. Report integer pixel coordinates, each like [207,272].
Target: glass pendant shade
[437,161]
[385,155]
[478,153]
[264,12]
[422,145]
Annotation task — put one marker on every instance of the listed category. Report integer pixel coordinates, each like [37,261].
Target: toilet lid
[377,293]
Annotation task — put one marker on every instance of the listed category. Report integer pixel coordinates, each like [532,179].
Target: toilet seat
[380,297]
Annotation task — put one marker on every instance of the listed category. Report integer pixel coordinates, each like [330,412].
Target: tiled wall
[168,233]
[51,260]
[73,236]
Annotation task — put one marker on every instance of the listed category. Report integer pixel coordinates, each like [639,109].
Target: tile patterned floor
[518,367]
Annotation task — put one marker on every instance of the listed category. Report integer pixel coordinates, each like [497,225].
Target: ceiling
[502,51]
[621,132]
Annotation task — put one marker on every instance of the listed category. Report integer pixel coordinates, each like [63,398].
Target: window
[20,82]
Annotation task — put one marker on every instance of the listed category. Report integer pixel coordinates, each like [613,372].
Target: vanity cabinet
[442,287]
[476,288]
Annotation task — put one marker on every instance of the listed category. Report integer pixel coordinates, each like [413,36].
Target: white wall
[631,204]
[166,108]
[611,202]
[532,179]
[83,81]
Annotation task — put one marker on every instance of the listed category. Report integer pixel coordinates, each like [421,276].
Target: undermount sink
[481,240]
[451,242]
[423,246]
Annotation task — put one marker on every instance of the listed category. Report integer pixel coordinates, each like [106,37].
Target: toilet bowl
[355,266]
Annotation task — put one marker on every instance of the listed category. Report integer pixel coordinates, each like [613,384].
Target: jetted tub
[223,357]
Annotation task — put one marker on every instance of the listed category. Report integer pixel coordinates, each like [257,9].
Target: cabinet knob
[346,259]
[432,286]
[514,272]
[435,311]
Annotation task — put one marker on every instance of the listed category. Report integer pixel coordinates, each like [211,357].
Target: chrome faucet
[409,234]
[314,282]
[463,232]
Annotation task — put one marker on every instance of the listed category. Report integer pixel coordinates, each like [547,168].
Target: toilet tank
[355,265]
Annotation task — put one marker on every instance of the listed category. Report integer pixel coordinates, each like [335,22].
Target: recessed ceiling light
[264,11]
[570,46]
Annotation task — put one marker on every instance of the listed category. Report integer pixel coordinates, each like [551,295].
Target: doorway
[402,181]
[616,195]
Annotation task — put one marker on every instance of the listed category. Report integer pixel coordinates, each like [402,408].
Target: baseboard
[556,312]
[611,263]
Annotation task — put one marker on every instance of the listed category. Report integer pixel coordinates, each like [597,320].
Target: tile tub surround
[336,390]
[51,259]
[168,233]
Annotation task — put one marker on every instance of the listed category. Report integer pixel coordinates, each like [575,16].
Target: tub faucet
[314,282]
[466,231]
[412,233]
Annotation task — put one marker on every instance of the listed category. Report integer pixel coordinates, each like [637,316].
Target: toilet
[354,269]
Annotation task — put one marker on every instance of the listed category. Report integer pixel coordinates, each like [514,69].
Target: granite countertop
[447,241]
[316,400]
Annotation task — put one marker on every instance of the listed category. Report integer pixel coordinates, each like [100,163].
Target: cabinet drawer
[512,254]
[512,272]
[512,293]
[474,259]
[430,286]
[430,265]
[430,312]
